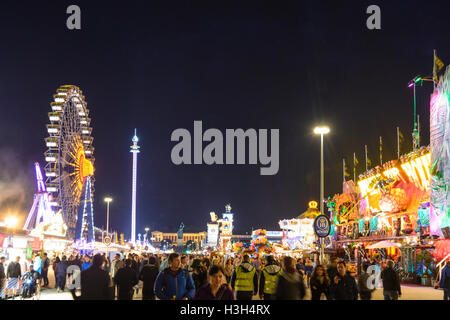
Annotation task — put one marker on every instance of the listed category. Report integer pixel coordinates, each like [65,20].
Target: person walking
[13,273]
[217,288]
[364,292]
[116,265]
[244,280]
[391,282]
[61,273]
[229,268]
[269,277]
[343,286]
[199,273]
[87,263]
[444,283]
[2,277]
[308,270]
[95,281]
[332,268]
[126,279]
[290,285]
[148,276]
[319,283]
[45,266]
[173,283]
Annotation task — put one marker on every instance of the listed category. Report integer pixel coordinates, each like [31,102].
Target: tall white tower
[135,151]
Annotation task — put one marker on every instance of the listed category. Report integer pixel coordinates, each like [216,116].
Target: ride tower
[135,150]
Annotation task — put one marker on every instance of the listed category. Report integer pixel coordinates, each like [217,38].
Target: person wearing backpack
[174,283]
[217,287]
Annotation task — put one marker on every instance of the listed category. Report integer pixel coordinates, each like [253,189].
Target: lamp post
[147,229]
[321,131]
[107,200]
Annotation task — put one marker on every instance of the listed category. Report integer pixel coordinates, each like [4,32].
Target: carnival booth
[298,233]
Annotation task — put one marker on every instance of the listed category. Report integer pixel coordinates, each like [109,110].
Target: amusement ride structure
[69,160]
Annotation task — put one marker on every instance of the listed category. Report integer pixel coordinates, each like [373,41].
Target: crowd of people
[213,277]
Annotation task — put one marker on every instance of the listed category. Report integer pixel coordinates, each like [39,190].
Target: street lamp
[321,131]
[107,200]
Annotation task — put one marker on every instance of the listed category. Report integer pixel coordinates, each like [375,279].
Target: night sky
[160,65]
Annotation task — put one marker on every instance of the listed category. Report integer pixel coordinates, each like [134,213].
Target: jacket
[168,285]
[85,266]
[391,281]
[245,267]
[13,270]
[61,269]
[345,289]
[126,279]
[115,266]
[274,272]
[444,283]
[200,279]
[204,293]
[148,276]
[318,288]
[290,286]
[2,272]
[95,284]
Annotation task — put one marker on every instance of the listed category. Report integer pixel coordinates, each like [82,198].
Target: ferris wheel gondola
[70,154]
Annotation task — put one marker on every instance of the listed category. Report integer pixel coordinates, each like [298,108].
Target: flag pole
[418,131]
[381,151]
[354,167]
[434,68]
[398,143]
[366,155]
[343,169]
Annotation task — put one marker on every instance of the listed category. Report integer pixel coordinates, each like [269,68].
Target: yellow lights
[364,186]
[108,199]
[312,204]
[418,170]
[321,130]
[213,216]
[391,173]
[11,222]
[83,167]
[147,229]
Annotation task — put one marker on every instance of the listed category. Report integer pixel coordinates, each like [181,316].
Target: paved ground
[410,292]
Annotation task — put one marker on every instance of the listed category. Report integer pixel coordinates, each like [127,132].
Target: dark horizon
[158,67]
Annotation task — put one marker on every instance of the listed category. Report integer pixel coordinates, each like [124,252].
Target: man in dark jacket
[269,277]
[332,269]
[343,285]
[126,279]
[148,276]
[174,283]
[61,273]
[290,284]
[444,283]
[2,275]
[45,266]
[391,282]
[245,280]
[95,281]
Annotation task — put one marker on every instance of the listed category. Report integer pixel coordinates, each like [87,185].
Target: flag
[346,170]
[400,135]
[439,64]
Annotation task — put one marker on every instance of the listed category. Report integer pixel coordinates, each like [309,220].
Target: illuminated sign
[322,226]
[364,186]
[418,171]
[312,204]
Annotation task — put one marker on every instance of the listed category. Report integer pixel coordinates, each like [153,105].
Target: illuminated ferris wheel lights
[50,159]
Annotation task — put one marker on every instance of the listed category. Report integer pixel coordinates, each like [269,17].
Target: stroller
[30,286]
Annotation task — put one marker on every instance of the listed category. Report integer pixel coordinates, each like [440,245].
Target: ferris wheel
[70,154]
